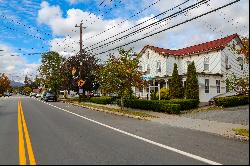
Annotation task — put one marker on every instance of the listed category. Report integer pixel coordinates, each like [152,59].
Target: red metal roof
[204,47]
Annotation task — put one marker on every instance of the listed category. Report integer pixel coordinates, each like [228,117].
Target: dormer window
[206,64]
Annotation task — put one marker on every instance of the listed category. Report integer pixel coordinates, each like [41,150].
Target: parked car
[6,94]
[38,95]
[50,96]
[32,94]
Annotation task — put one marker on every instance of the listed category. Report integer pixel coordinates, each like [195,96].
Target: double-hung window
[158,67]
[218,86]
[206,64]
[206,85]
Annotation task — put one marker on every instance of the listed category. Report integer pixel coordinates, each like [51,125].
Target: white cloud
[185,35]
[16,67]
[48,13]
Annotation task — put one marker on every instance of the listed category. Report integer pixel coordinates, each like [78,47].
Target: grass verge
[241,131]
[125,112]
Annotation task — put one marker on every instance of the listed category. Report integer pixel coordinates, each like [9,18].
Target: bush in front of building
[164,94]
[231,101]
[176,87]
[192,85]
[185,104]
[102,100]
[154,105]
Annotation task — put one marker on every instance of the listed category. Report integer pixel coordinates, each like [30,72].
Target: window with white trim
[206,64]
[158,67]
[218,86]
[206,85]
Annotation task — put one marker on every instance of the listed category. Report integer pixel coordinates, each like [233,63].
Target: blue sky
[34,26]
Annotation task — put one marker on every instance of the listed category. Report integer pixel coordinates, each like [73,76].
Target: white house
[214,60]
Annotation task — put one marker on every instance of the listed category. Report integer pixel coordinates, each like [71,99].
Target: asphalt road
[63,134]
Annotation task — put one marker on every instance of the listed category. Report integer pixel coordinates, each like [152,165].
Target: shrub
[176,88]
[101,100]
[153,96]
[186,104]
[165,94]
[192,85]
[154,105]
[231,101]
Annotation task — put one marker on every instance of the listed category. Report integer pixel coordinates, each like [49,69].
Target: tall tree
[192,85]
[176,87]
[120,74]
[50,70]
[86,68]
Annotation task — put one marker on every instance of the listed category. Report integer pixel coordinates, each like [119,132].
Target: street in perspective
[124,82]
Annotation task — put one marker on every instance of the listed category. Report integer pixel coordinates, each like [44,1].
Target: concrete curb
[110,112]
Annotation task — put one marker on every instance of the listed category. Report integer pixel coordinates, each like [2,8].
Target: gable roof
[204,47]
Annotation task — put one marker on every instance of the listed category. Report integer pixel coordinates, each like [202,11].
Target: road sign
[81,83]
[80,91]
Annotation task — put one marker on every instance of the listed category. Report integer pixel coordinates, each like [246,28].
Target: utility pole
[81,28]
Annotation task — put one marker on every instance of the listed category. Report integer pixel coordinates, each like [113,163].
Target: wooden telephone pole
[81,28]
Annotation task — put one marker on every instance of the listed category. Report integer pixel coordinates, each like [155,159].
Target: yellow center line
[22,157]
[27,137]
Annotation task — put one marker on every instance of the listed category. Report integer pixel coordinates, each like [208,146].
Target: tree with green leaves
[120,74]
[27,90]
[50,70]
[192,85]
[238,84]
[86,68]
[176,87]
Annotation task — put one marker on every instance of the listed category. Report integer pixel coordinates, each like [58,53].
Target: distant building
[214,60]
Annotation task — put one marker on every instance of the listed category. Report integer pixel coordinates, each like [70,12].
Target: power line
[154,23]
[176,25]
[152,18]
[124,20]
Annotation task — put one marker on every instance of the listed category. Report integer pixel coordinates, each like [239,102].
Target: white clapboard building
[214,60]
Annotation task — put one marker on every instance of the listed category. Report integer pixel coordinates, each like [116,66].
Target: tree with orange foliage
[4,83]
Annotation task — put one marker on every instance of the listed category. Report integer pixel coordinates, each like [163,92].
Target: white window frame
[206,63]
[206,86]
[158,67]
[218,89]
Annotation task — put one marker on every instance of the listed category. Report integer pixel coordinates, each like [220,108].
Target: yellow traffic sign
[81,83]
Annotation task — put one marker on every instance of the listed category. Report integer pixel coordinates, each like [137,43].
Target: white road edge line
[146,140]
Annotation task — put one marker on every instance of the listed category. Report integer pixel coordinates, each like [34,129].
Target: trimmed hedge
[102,100]
[231,101]
[154,105]
[186,104]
